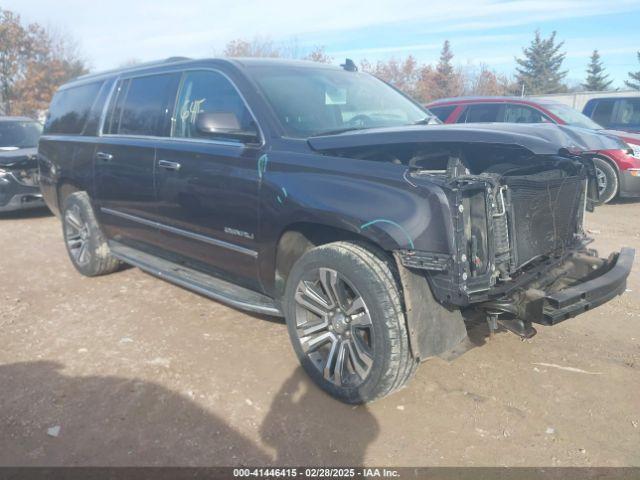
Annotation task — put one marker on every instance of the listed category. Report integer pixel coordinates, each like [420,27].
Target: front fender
[369,199]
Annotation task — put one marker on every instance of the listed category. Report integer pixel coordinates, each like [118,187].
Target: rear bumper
[579,298]
[629,184]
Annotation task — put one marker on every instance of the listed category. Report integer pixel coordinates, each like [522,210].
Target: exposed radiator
[545,212]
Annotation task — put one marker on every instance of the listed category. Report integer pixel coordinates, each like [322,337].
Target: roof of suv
[238,61]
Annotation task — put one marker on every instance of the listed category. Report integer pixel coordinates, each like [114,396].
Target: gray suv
[18,164]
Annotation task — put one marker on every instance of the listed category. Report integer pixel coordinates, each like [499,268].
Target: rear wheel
[346,323]
[85,242]
[607,178]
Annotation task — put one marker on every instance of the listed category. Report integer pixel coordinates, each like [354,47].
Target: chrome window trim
[183,71]
[179,231]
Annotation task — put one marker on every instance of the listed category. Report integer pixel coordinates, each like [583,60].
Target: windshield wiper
[339,130]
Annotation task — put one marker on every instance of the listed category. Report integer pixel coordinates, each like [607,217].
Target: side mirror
[224,124]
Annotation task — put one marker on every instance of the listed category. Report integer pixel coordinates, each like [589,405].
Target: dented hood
[540,139]
[19,158]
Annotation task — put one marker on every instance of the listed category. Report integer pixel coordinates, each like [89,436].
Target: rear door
[139,114]
[208,184]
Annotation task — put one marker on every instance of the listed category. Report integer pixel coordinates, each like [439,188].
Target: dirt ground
[136,371]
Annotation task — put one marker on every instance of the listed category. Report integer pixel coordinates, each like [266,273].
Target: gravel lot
[136,371]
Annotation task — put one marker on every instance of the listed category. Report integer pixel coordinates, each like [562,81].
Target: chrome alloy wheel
[601,178]
[334,327]
[76,233]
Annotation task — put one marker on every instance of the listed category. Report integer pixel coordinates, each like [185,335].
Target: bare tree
[318,54]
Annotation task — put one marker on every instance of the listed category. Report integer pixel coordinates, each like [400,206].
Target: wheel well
[300,238]
[64,190]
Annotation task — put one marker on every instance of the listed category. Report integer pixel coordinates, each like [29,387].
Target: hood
[19,158]
[540,139]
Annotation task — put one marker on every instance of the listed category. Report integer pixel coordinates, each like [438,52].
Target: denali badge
[238,233]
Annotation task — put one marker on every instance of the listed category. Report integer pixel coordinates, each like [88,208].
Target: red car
[618,170]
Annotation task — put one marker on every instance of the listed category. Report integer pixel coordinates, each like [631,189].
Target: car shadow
[305,426]
[116,421]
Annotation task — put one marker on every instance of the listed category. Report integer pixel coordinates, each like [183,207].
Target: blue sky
[112,32]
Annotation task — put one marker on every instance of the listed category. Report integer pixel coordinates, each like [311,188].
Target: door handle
[167,165]
[105,157]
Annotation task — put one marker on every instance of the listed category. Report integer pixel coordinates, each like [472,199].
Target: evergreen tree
[634,76]
[597,80]
[539,70]
[447,81]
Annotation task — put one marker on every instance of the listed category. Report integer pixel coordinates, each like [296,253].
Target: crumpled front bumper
[579,284]
[584,296]
[16,196]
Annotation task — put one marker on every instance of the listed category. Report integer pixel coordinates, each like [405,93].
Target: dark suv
[323,195]
[18,164]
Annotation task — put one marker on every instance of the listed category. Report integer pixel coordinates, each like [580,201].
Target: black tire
[607,180]
[86,244]
[361,274]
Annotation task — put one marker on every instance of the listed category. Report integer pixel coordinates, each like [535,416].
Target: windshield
[572,117]
[316,101]
[19,134]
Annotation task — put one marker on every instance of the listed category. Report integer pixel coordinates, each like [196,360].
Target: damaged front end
[517,197]
[521,252]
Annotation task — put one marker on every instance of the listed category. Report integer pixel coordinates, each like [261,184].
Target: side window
[70,109]
[483,112]
[515,113]
[443,112]
[210,92]
[143,105]
[627,112]
[602,112]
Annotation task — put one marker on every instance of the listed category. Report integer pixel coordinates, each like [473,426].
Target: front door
[208,183]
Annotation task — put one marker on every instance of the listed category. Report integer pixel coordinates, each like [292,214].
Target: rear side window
[602,112]
[70,109]
[442,112]
[483,112]
[143,105]
[522,114]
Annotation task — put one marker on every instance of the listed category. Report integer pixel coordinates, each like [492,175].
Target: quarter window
[209,92]
[70,109]
[143,105]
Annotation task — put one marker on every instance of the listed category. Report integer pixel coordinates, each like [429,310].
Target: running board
[199,282]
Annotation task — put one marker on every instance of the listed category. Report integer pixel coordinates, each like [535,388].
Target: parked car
[615,113]
[320,194]
[618,168]
[18,164]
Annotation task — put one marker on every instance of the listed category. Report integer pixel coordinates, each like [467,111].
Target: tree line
[538,70]
[35,61]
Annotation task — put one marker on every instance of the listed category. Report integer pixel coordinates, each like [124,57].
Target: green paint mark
[382,220]
[262,165]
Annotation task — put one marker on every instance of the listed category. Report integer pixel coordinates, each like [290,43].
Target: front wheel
[607,178]
[345,320]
